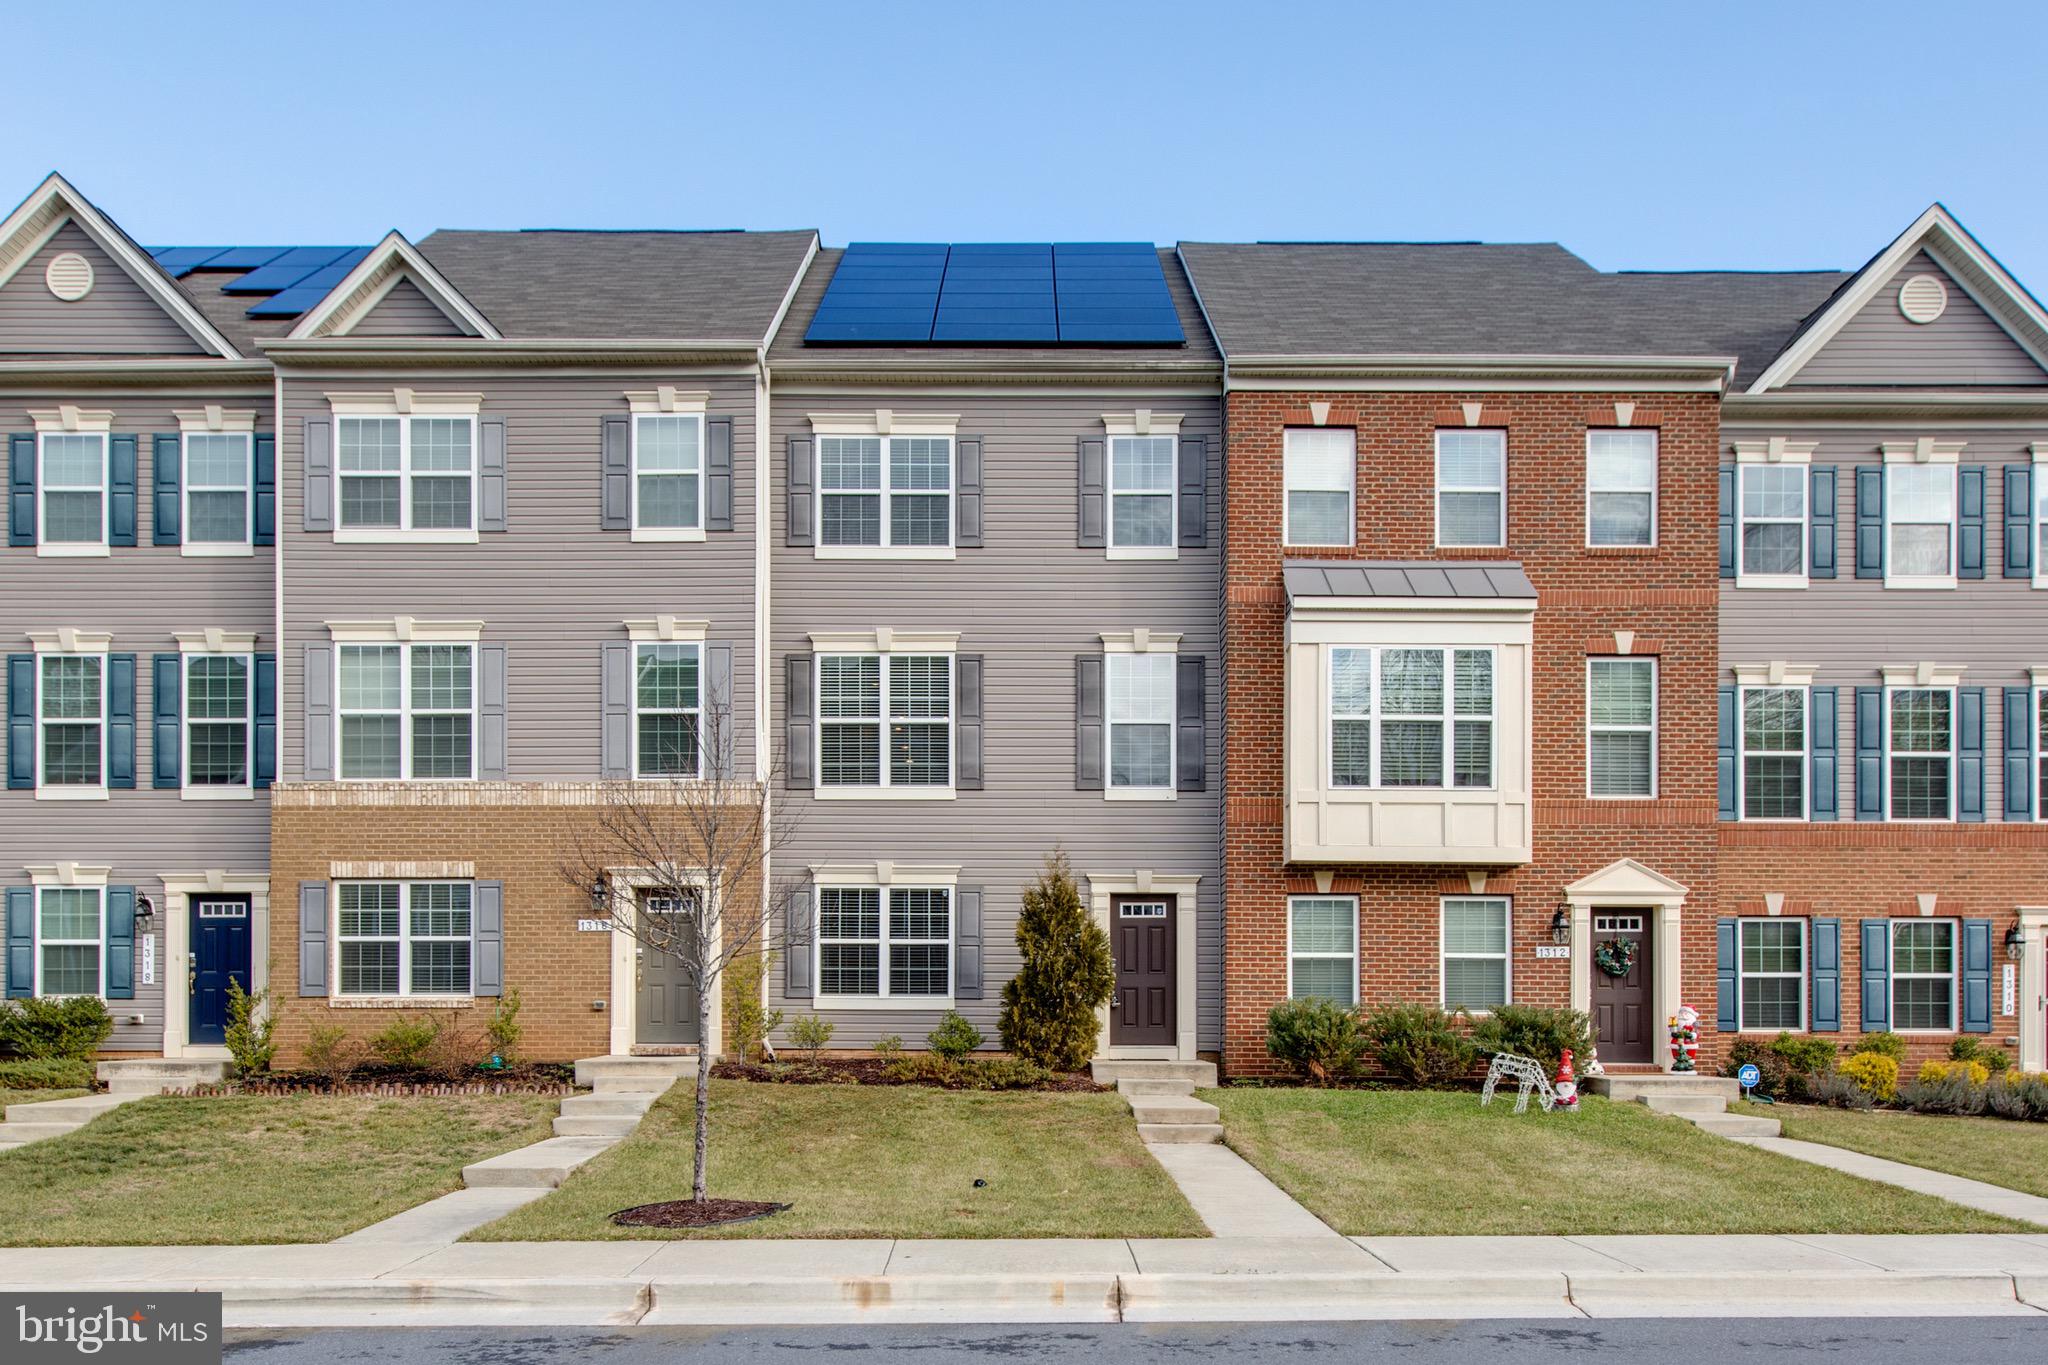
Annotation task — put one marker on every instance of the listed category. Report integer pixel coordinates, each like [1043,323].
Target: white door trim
[1186,982]
[1627,885]
[2033,989]
[625,994]
[176,917]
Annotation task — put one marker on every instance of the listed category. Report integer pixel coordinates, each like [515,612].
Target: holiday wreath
[1615,956]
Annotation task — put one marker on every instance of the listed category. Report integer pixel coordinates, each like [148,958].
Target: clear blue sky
[1641,135]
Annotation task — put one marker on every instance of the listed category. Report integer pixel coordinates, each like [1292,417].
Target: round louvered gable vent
[69,277]
[1923,298]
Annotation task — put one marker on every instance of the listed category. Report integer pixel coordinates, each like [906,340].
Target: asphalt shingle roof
[1405,578]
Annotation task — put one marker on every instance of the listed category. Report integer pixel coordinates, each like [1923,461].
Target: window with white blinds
[1773,513]
[1471,487]
[1322,948]
[1141,720]
[1402,717]
[1321,470]
[907,697]
[1920,744]
[1920,517]
[1621,727]
[1773,772]
[1475,952]
[1621,487]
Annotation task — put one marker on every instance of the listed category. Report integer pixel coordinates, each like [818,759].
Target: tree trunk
[706,1045]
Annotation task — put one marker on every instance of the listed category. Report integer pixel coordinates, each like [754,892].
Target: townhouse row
[1375,621]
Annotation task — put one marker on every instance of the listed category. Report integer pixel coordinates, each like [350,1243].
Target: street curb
[1082,1297]
[1796,1294]
[1342,1296]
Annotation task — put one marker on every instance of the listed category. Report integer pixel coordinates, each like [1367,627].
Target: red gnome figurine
[1567,1085]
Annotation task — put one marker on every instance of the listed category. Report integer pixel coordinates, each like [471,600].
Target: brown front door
[1622,1026]
[1142,933]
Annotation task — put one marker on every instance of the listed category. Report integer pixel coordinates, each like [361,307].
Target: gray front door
[666,1000]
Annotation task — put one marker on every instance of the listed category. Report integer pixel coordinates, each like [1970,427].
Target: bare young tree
[699,850]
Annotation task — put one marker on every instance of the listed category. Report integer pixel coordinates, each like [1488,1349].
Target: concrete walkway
[1233,1197]
[1976,1194]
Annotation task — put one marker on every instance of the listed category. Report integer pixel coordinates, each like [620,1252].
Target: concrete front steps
[155,1075]
[125,1080]
[614,1114]
[633,1075]
[1699,1099]
[1162,1098]
[622,1090]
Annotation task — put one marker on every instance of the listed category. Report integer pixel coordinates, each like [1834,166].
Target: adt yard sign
[1748,1076]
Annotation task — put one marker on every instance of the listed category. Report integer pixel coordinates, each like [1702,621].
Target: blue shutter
[21,488]
[121,477]
[21,942]
[1870,753]
[1970,521]
[166,709]
[121,720]
[21,722]
[1724,752]
[1870,522]
[487,935]
[1976,976]
[1727,521]
[165,512]
[120,982]
[2019,521]
[1877,975]
[313,938]
[2019,753]
[1824,764]
[1727,956]
[266,489]
[264,770]
[1821,522]
[1970,753]
[1825,979]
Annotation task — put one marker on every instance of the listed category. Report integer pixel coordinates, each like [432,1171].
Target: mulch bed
[872,1071]
[531,1078]
[688,1213]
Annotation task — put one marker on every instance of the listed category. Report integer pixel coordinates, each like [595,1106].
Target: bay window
[1411,717]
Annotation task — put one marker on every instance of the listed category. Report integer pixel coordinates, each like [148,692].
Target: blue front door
[220,954]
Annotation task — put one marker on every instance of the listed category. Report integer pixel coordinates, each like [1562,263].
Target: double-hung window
[74,491]
[1772,500]
[1471,487]
[1143,475]
[1920,524]
[70,940]
[1475,952]
[1411,717]
[905,953]
[668,472]
[217,721]
[219,469]
[1140,721]
[1923,975]
[1621,727]
[1773,770]
[1321,473]
[71,713]
[1621,487]
[885,720]
[1772,967]
[1322,948]
[407,711]
[403,938]
[893,492]
[1920,750]
[667,705]
[408,473]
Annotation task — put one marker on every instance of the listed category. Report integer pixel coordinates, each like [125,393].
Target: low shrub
[405,1041]
[251,1030]
[41,1029]
[503,1028]
[1804,1056]
[1417,1044]
[1007,1073]
[811,1033]
[1969,1069]
[954,1038]
[888,1045]
[456,1051]
[332,1051]
[1533,1031]
[2017,1095]
[1963,1049]
[1840,1091]
[1320,1039]
[1875,1073]
[1994,1059]
[748,1020]
[47,1073]
[1945,1088]
[1771,1067]
[1883,1043]
[976,1073]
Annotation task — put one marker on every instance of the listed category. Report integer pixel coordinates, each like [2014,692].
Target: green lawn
[1402,1163]
[8,1097]
[2000,1151]
[239,1169]
[880,1161]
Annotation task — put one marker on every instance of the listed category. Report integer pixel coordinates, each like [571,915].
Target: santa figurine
[1685,1039]
[1566,1085]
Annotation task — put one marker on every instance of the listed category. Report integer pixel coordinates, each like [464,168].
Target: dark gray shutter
[263,530]
[319,472]
[615,444]
[1870,522]
[967,495]
[1877,975]
[799,722]
[21,942]
[122,475]
[1088,722]
[313,938]
[121,720]
[1724,751]
[1970,521]
[1976,976]
[120,943]
[2019,753]
[166,712]
[21,722]
[490,514]
[1727,955]
[1727,521]
[1821,522]
[724,716]
[1092,532]
[1191,735]
[967,943]
[1970,754]
[798,493]
[718,474]
[1826,977]
[319,741]
[1194,492]
[263,763]
[487,939]
[1870,753]
[2019,521]
[1824,766]
[490,713]
[968,729]
[165,511]
[21,488]
[798,938]
[615,700]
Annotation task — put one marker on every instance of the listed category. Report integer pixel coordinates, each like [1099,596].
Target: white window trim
[72,644]
[405,404]
[885,876]
[69,877]
[1350,491]
[886,644]
[405,632]
[1377,716]
[1763,454]
[1656,472]
[1506,957]
[1805,691]
[694,713]
[190,649]
[1805,975]
[1438,488]
[882,424]
[1656,698]
[1136,426]
[1949,682]
[1141,641]
[1350,957]
[667,401]
[405,941]
[1954,975]
[1925,451]
[214,420]
[2037,696]
[73,421]
[2038,514]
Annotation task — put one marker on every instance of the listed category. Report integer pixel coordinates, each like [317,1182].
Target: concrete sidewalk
[1138,1280]
[1976,1194]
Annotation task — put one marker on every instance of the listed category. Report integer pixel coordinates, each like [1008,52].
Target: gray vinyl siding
[1028,602]
[1879,346]
[1850,628]
[116,318]
[553,587]
[405,312]
[141,596]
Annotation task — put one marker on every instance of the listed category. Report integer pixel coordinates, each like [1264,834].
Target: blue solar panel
[243,257]
[287,270]
[882,291]
[294,277]
[997,293]
[1114,293]
[288,304]
[181,260]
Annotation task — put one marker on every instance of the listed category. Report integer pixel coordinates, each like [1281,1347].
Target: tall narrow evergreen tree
[1049,1005]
